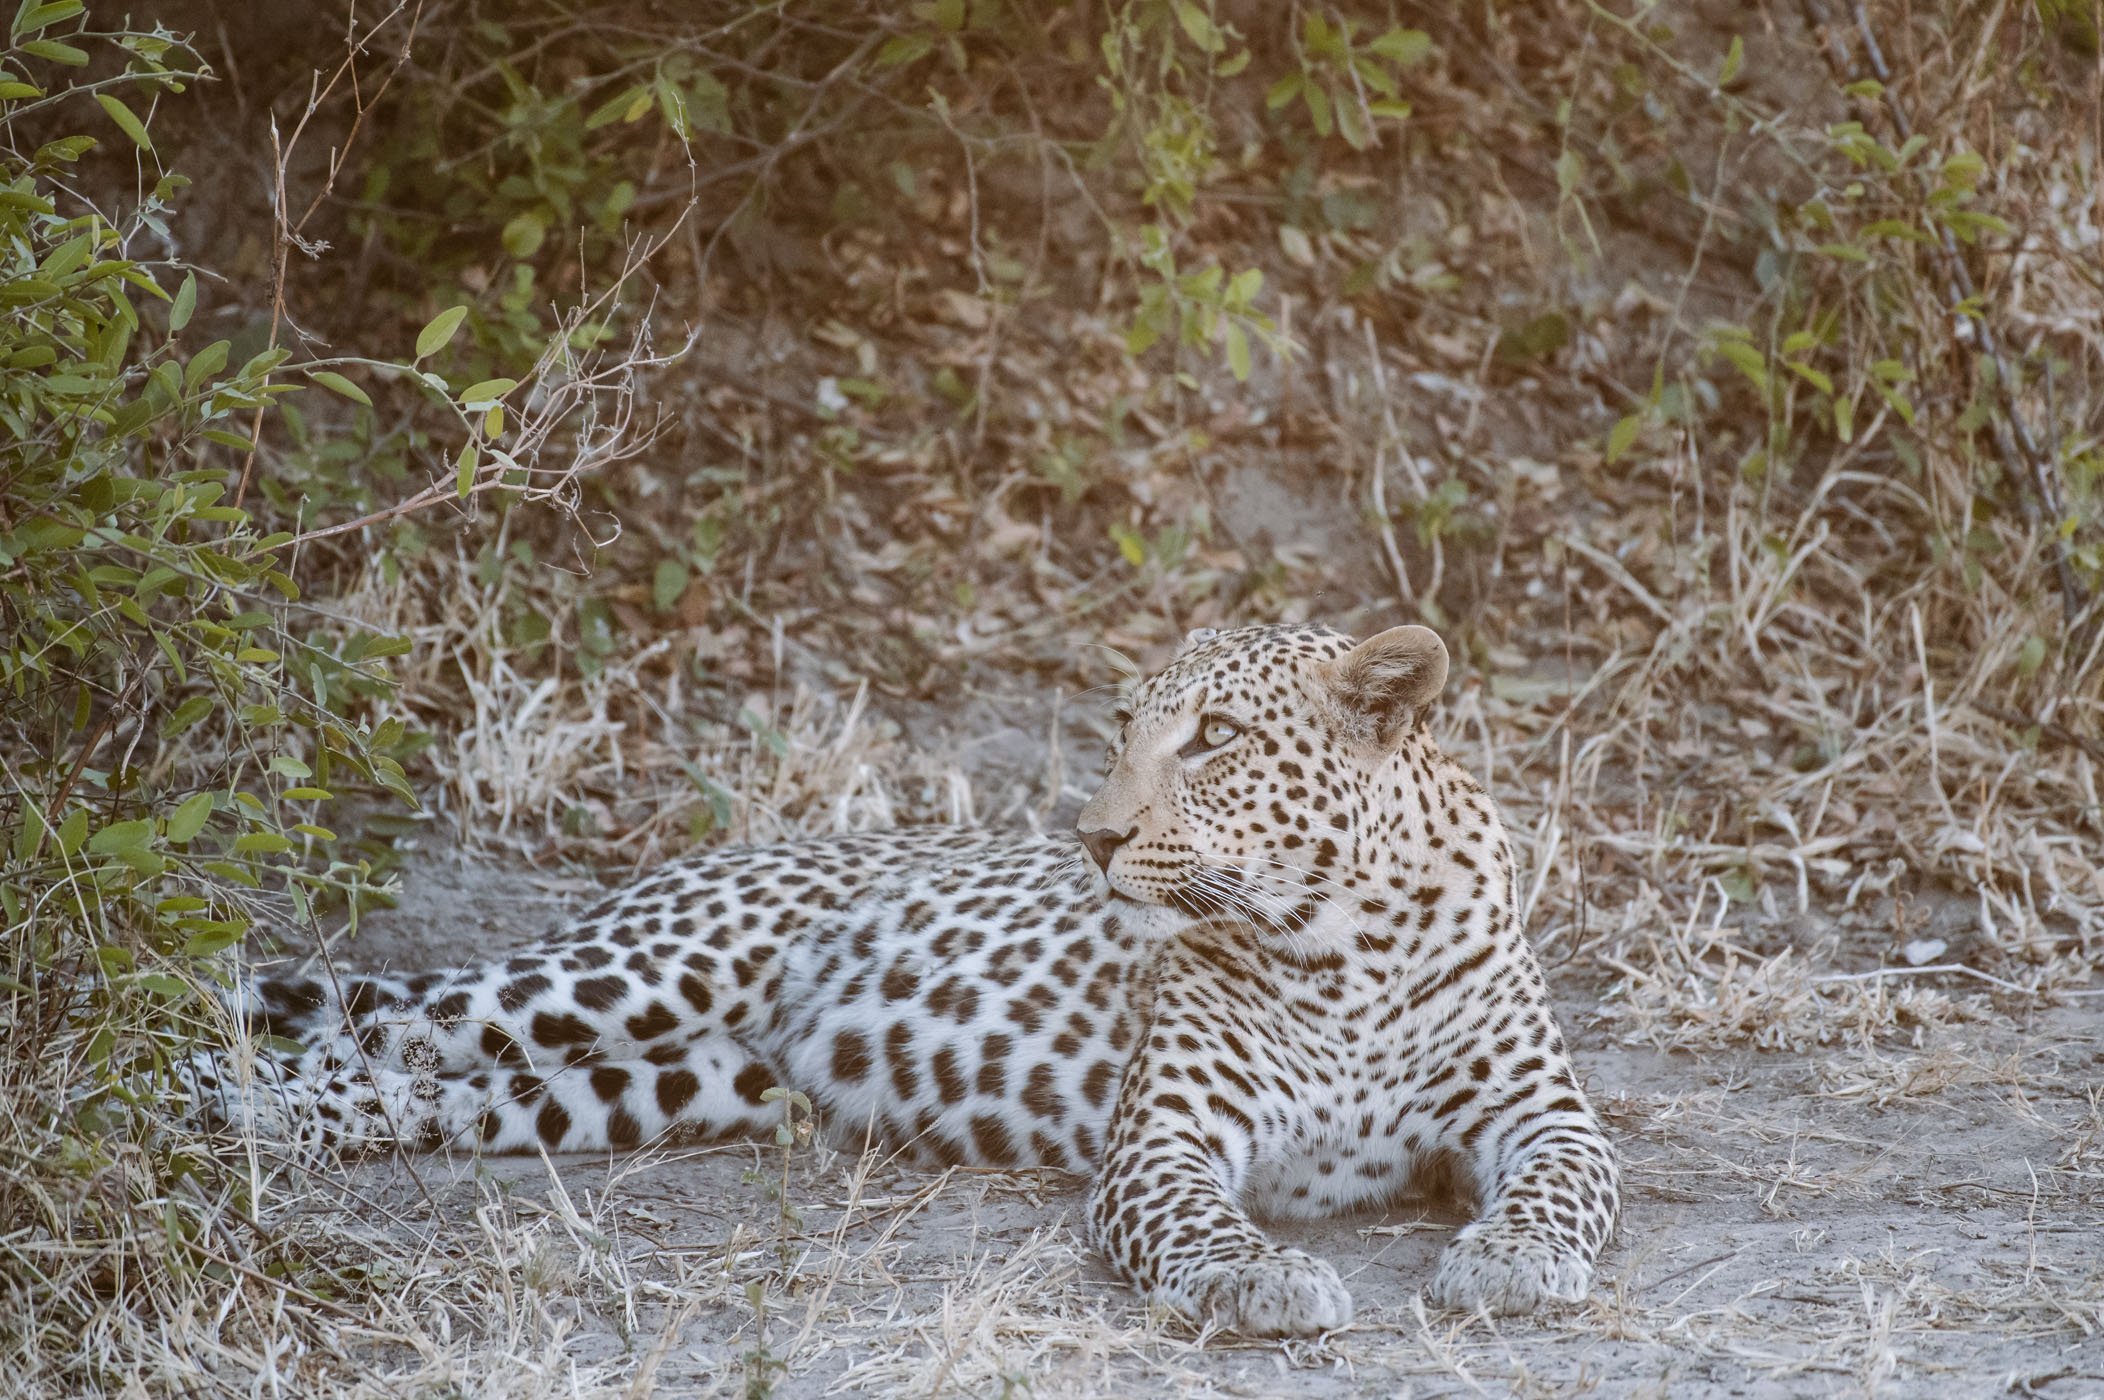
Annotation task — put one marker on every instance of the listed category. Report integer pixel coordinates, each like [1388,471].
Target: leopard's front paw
[1507,1271]
[1284,1294]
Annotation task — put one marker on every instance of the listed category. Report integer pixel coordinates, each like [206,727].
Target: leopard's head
[1263,775]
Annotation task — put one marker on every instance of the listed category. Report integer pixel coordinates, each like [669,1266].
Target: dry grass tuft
[1695,987]
[610,759]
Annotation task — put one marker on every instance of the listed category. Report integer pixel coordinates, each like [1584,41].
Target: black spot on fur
[990,1136]
[499,1048]
[653,1021]
[850,1057]
[600,993]
[752,1082]
[554,1030]
[513,995]
[949,1076]
[553,1122]
[675,1090]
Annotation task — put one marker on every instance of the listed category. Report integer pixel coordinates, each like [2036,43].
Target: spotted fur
[1289,980]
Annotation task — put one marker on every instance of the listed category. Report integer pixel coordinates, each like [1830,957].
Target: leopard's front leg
[1550,1192]
[1166,1209]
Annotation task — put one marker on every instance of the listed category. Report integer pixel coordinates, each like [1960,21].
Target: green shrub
[176,726]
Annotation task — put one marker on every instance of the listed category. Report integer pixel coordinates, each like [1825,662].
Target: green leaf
[464,478]
[1734,59]
[1237,352]
[330,379]
[34,18]
[903,49]
[2032,656]
[129,124]
[1896,228]
[1536,340]
[185,715]
[121,836]
[1351,125]
[1318,104]
[486,392]
[672,105]
[626,105]
[949,15]
[1402,46]
[190,818]
[1622,436]
[204,364]
[667,584]
[522,238]
[31,834]
[1198,24]
[1749,361]
[206,942]
[1283,91]
[72,831]
[436,336]
[185,303]
[1818,379]
[56,52]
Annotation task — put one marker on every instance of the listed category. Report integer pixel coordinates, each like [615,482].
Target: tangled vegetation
[605,430]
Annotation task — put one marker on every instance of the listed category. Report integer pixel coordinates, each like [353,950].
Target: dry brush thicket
[1725,382]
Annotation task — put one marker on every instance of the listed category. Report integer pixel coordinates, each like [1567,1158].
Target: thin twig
[2058,733]
[1952,969]
[289,233]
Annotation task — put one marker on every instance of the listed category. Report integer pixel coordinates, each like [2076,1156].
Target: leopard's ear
[1388,679]
[1197,637]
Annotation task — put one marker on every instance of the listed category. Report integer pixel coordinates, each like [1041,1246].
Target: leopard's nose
[1103,843]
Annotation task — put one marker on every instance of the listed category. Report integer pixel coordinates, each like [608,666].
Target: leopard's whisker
[1281,919]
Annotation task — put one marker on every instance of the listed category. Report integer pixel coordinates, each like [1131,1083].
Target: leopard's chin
[1148,921]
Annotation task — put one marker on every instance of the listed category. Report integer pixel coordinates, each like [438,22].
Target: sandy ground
[1918,1221]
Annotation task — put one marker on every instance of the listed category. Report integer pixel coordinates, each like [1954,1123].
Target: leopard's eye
[1214,732]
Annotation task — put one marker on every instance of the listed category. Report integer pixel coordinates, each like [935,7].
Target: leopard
[1277,972]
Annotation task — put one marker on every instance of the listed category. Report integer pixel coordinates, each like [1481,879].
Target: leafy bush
[176,724]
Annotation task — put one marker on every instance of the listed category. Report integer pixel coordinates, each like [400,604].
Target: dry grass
[611,760]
